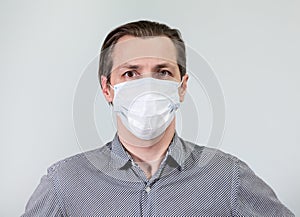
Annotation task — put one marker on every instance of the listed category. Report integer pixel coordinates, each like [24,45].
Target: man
[148,170]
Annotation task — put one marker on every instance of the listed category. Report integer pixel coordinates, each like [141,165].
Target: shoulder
[205,156]
[75,164]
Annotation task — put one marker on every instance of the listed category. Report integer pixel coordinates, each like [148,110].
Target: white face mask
[146,106]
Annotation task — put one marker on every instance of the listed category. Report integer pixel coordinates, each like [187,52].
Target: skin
[144,57]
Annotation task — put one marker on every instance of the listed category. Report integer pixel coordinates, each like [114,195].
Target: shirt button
[148,189]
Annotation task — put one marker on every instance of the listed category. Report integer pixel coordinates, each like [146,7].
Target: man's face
[135,58]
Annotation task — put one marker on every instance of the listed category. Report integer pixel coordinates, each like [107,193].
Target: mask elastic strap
[111,87]
[181,82]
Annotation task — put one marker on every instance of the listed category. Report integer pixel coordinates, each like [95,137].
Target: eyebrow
[129,66]
[158,66]
[163,65]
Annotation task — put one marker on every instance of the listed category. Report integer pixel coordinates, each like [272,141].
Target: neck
[148,154]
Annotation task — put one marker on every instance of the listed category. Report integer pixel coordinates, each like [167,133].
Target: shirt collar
[119,157]
[177,153]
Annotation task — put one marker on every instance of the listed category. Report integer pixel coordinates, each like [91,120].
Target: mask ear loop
[108,84]
[112,87]
[180,86]
[180,83]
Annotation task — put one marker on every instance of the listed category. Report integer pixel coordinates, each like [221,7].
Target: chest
[174,195]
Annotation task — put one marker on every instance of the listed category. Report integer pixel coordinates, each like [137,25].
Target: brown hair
[141,28]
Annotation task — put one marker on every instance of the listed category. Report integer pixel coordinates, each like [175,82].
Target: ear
[183,87]
[106,89]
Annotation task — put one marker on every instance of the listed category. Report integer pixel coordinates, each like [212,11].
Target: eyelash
[169,73]
[132,71]
[135,73]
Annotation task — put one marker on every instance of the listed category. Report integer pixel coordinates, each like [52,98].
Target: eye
[130,74]
[165,73]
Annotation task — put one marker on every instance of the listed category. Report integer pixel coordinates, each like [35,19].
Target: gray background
[45,45]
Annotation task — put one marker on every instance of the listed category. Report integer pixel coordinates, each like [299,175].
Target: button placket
[147,198]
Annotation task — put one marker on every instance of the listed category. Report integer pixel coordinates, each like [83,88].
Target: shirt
[192,180]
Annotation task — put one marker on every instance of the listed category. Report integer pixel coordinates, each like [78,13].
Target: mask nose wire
[179,85]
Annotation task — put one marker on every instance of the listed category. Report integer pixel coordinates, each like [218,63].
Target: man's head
[145,107]
[149,45]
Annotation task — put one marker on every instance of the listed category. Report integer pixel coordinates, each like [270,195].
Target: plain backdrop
[253,46]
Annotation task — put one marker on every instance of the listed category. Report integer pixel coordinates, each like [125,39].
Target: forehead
[130,48]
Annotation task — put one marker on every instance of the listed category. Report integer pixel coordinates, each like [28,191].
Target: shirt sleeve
[44,200]
[253,197]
